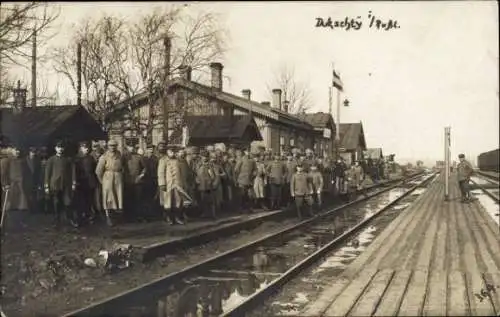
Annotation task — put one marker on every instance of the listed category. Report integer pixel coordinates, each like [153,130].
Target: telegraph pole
[447,141]
[164,88]
[33,70]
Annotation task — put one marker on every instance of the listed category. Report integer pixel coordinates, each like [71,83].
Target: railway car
[489,161]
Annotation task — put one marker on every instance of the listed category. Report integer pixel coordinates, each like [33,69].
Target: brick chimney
[276,99]
[286,103]
[246,93]
[19,98]
[266,103]
[185,72]
[216,75]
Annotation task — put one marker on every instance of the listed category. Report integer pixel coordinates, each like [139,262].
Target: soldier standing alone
[464,172]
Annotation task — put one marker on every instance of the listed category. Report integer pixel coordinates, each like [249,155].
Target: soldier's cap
[461,156]
[112,143]
[84,144]
[32,149]
[204,153]
[192,150]
[173,148]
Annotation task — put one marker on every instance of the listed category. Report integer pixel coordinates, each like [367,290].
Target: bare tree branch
[18,24]
[296,92]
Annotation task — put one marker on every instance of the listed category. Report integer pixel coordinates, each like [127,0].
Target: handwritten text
[357,23]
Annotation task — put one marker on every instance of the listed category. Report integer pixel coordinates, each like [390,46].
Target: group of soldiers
[170,182]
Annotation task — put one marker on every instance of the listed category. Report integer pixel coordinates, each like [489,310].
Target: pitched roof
[351,134]
[374,153]
[243,103]
[216,128]
[317,120]
[38,124]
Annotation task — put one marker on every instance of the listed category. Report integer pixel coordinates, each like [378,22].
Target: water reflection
[220,290]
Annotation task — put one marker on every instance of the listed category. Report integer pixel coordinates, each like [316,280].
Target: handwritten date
[357,23]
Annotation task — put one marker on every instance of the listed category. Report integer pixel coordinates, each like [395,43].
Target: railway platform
[438,258]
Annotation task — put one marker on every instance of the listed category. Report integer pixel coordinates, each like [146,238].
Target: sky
[439,68]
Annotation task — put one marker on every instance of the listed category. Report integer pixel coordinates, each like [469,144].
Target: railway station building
[185,99]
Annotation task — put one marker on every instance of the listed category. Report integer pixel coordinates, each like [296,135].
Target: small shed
[44,126]
[228,129]
[352,141]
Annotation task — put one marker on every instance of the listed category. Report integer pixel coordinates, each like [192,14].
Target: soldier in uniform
[170,182]
[317,183]
[133,182]
[43,198]
[259,183]
[291,167]
[60,184]
[227,180]
[111,170]
[339,172]
[354,179]
[14,181]
[219,174]
[86,180]
[464,172]
[150,187]
[35,180]
[308,160]
[244,173]
[96,153]
[277,177]
[187,176]
[301,191]
[205,176]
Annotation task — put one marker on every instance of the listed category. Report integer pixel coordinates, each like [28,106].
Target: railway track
[489,175]
[185,287]
[490,188]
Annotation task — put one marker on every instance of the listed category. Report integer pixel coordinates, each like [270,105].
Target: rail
[157,287]
[274,286]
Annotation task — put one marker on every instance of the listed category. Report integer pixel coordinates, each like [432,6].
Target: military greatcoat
[170,176]
[110,171]
[14,175]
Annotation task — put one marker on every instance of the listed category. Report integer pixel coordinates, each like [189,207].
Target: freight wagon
[489,161]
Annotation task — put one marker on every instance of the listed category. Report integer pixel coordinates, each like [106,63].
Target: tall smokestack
[33,71]
[168,46]
[79,74]
[276,99]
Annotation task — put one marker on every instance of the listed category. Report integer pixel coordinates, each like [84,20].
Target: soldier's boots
[109,221]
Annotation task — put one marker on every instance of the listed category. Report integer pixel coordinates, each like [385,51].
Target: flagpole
[337,135]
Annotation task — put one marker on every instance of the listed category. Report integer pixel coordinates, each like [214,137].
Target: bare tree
[18,23]
[104,47]
[7,84]
[121,59]
[296,92]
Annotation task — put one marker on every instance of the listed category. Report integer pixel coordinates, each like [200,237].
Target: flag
[337,82]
